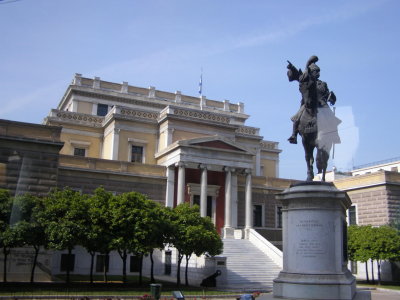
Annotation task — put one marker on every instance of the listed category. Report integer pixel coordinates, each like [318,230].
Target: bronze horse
[314,121]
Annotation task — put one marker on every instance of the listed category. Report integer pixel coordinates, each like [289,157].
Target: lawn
[80,286]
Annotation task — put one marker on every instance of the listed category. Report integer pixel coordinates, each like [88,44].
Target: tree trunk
[5,253]
[124,256]
[105,279]
[379,271]
[186,270]
[37,248]
[92,254]
[178,273]
[140,269]
[372,271]
[152,267]
[366,271]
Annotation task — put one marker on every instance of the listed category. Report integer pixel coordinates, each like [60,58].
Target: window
[136,153]
[80,152]
[67,262]
[102,109]
[352,215]
[134,264]
[394,169]
[279,217]
[102,261]
[168,263]
[257,216]
[196,200]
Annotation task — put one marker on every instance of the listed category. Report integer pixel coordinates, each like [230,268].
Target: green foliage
[97,237]
[373,243]
[190,233]
[376,243]
[64,217]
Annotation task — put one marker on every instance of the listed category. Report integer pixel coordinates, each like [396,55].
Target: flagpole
[201,83]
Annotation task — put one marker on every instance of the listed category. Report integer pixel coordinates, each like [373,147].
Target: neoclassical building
[172,147]
[200,150]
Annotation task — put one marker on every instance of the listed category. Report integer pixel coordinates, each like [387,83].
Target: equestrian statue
[314,122]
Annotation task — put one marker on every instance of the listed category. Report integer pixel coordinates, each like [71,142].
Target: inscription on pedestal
[309,246]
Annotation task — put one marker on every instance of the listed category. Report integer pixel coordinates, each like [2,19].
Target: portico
[204,171]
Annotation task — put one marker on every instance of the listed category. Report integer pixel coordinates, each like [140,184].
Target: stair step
[248,266]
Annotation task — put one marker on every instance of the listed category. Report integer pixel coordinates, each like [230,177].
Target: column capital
[180,164]
[229,169]
[248,171]
[203,167]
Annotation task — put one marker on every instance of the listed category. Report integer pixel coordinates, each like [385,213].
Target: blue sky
[242,47]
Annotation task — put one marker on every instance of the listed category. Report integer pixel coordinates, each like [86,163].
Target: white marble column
[181,183]
[203,191]
[228,197]
[248,205]
[169,197]
[234,200]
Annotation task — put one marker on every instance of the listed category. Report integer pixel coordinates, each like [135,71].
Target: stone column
[203,191]
[234,200]
[181,183]
[248,205]
[169,197]
[228,198]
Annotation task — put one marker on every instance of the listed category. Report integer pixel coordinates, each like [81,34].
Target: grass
[80,286]
[383,285]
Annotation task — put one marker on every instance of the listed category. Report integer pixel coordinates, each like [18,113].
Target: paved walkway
[384,294]
[378,294]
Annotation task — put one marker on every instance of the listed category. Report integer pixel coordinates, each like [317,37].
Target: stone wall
[28,157]
[86,181]
[376,205]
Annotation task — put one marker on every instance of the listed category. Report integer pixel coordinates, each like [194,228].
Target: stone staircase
[248,268]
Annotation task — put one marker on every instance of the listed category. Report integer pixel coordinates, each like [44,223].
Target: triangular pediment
[214,142]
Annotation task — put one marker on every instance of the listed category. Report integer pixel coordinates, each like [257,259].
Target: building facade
[172,147]
[374,190]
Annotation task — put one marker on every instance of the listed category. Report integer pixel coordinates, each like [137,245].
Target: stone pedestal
[314,244]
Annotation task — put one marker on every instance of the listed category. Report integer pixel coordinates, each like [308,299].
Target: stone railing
[265,246]
[268,145]
[75,117]
[247,130]
[153,93]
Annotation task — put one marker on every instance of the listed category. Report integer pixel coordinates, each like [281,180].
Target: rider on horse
[315,93]
[314,121]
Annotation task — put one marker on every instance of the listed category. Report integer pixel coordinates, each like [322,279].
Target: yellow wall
[93,149]
[269,167]
[85,107]
[124,145]
[107,144]
[162,140]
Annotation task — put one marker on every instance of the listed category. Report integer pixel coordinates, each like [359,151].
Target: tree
[385,245]
[151,232]
[201,239]
[97,237]
[373,243]
[128,212]
[30,230]
[6,234]
[192,234]
[359,244]
[64,218]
